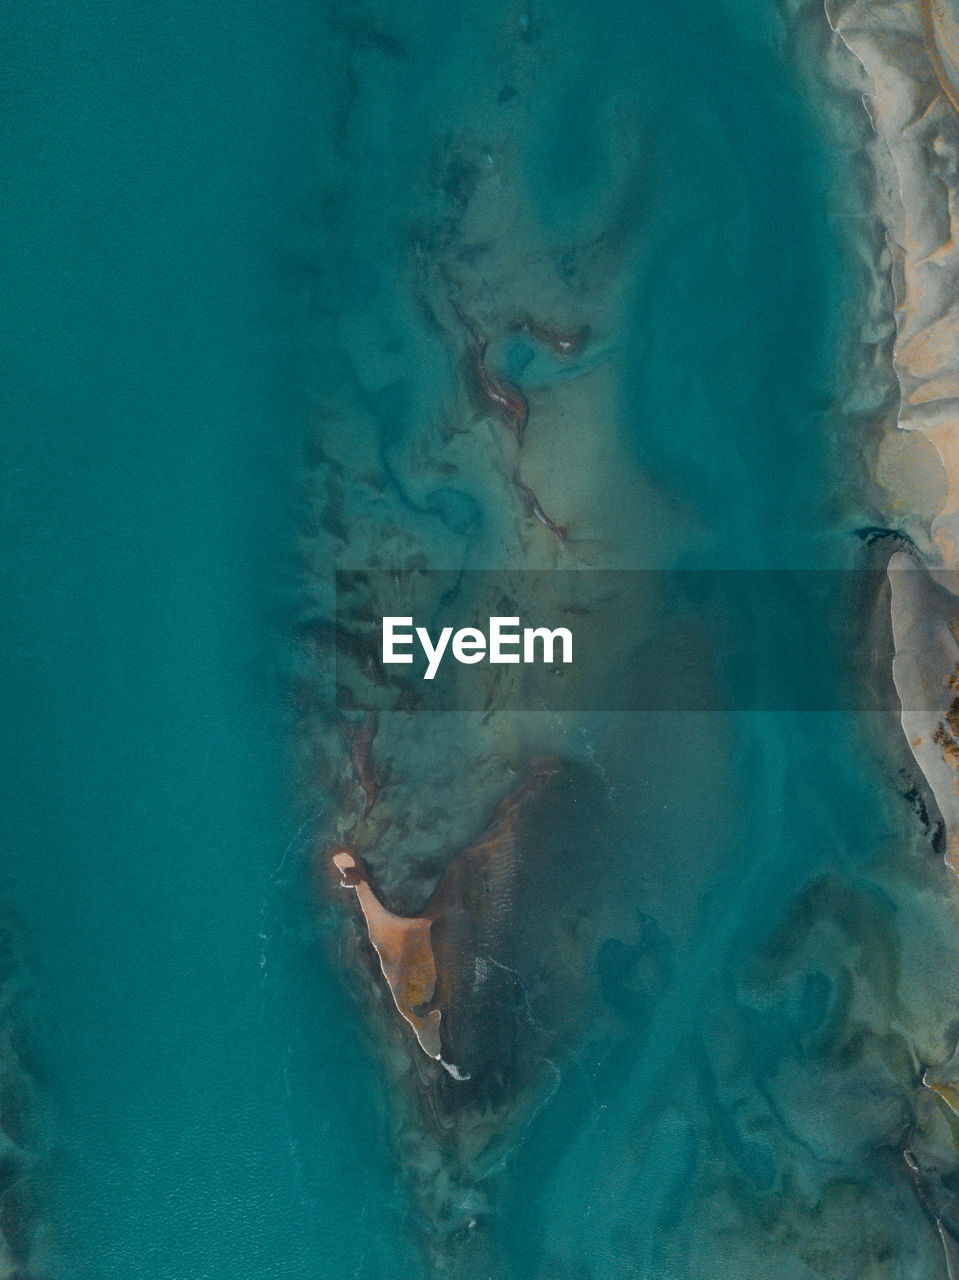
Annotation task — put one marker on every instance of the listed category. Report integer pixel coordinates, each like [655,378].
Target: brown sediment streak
[936,31]
[946,734]
[505,398]
[563,342]
[559,530]
[360,737]
[538,773]
[404,944]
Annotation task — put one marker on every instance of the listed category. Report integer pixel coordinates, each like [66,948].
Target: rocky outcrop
[907,50]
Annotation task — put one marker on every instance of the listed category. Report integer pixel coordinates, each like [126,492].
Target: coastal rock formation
[908,51]
[904,48]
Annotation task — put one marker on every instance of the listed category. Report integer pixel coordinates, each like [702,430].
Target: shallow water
[231,229]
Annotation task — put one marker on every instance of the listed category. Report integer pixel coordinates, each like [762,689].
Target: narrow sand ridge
[405,952]
[925,619]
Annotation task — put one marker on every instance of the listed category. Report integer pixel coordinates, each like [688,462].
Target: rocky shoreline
[906,55]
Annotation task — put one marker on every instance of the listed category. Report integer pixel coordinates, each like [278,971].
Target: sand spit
[405,952]
[416,964]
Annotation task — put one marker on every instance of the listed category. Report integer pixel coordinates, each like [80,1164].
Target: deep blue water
[175,183]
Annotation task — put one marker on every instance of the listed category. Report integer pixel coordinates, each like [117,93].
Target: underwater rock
[24,1228]
[563,342]
[492,390]
[559,530]
[360,737]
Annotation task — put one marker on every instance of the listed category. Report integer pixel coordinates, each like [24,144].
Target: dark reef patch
[24,1227]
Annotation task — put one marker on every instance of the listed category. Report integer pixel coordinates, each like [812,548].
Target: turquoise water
[223,227]
[156,166]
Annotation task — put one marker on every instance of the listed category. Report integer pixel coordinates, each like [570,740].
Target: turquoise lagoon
[223,226]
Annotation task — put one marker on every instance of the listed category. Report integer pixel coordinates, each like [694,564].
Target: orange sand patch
[405,953]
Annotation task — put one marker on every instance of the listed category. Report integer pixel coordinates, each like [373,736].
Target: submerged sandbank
[678,989]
